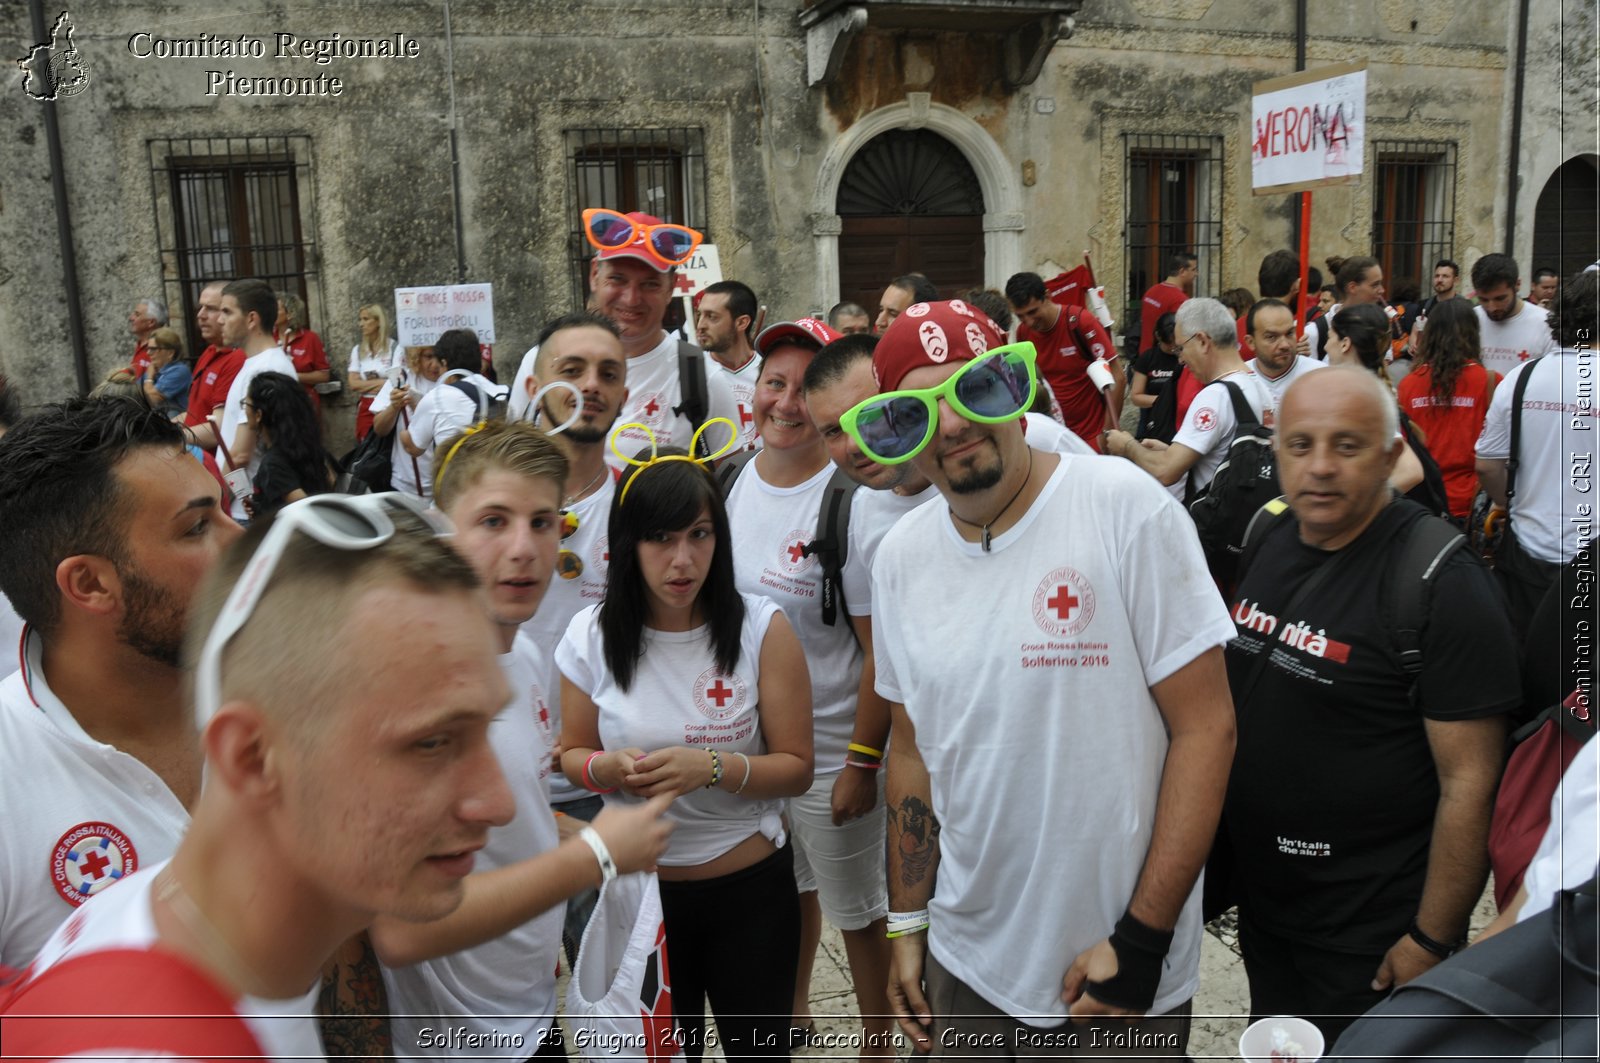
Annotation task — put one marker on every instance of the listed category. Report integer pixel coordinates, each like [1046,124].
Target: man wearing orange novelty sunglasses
[632,280]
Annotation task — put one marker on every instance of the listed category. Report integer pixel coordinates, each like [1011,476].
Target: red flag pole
[1306,300]
[1090,267]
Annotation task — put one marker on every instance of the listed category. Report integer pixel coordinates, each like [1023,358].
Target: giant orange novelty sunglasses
[608,230]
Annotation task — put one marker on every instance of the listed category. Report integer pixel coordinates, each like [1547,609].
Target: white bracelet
[744,781]
[608,866]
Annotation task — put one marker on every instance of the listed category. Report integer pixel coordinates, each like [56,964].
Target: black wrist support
[1141,951]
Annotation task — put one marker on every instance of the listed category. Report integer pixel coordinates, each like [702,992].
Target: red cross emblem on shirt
[796,551]
[1064,602]
[544,714]
[94,865]
[745,415]
[719,693]
[651,407]
[1522,356]
[1205,420]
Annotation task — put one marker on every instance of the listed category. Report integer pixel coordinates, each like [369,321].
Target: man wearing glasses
[1047,640]
[1208,343]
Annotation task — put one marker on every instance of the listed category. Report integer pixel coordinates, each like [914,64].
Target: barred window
[658,171]
[226,208]
[1413,209]
[1173,204]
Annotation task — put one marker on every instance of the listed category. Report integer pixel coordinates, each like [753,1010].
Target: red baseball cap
[639,249]
[932,334]
[807,332]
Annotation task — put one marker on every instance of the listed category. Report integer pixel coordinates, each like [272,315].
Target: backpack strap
[1264,520]
[832,542]
[693,390]
[1512,461]
[1243,415]
[1409,583]
[729,468]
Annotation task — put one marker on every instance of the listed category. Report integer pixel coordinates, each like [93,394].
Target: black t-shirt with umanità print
[1333,792]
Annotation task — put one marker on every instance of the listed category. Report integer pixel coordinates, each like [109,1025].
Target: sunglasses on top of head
[894,427]
[609,230]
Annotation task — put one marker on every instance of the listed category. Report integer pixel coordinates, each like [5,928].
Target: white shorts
[844,865]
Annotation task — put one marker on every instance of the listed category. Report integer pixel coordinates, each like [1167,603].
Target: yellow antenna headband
[658,459]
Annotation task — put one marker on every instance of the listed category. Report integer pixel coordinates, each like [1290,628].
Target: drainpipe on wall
[455,149]
[1513,164]
[58,187]
[1299,64]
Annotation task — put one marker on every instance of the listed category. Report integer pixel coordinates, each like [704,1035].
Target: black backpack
[1529,992]
[832,541]
[693,390]
[1246,480]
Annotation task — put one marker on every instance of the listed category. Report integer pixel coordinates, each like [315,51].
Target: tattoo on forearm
[353,1005]
[918,839]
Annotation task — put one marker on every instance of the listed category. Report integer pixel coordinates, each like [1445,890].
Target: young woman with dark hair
[293,463]
[1447,396]
[1360,333]
[678,683]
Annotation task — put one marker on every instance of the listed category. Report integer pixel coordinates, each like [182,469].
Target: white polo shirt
[653,391]
[742,383]
[286,1029]
[1522,338]
[79,814]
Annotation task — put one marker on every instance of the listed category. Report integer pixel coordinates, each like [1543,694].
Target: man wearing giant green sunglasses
[1093,692]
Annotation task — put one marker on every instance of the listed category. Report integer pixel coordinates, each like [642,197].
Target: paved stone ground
[1221,1007]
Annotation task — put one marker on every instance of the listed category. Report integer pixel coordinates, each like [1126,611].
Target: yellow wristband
[857,747]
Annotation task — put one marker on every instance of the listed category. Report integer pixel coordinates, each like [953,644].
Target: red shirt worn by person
[1065,352]
[306,352]
[1188,386]
[1451,425]
[1245,351]
[1161,299]
[214,371]
[141,358]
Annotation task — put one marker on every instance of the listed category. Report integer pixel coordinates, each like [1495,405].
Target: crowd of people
[885,623]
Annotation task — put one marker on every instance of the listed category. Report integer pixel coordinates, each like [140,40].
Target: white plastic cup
[1100,375]
[1256,1043]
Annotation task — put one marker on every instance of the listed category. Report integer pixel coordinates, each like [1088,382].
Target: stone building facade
[822,145]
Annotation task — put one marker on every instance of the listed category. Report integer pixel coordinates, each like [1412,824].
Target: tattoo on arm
[353,1005]
[918,840]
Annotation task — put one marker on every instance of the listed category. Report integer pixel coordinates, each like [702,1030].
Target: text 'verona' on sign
[1308,129]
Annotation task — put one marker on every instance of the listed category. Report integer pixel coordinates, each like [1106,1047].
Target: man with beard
[109,525]
[1269,334]
[722,325]
[585,350]
[1514,330]
[1116,728]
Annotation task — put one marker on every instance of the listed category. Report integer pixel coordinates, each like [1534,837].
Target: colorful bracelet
[588,779]
[869,765]
[746,780]
[716,769]
[901,924]
[866,751]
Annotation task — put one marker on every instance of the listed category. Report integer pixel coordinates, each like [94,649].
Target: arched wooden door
[1565,220]
[910,203]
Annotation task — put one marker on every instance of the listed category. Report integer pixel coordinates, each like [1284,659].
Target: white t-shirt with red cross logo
[79,814]
[1509,343]
[506,986]
[653,392]
[1209,427]
[122,918]
[680,697]
[1026,672]
[769,526]
[742,382]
